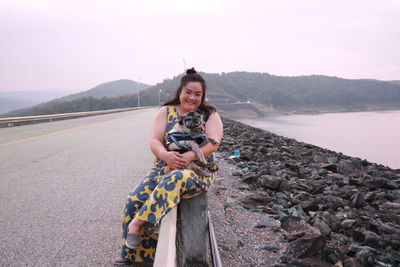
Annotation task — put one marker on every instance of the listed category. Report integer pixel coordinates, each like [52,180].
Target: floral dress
[157,194]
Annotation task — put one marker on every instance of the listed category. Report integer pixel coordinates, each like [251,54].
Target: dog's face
[193,121]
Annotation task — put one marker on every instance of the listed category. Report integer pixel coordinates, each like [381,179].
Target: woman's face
[190,96]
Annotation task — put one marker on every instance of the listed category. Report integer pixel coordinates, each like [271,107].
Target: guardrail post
[191,239]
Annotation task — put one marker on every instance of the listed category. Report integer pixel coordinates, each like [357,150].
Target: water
[374,136]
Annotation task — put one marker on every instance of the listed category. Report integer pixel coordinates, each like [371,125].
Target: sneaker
[122,262]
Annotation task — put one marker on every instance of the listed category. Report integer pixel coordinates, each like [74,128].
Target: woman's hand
[175,160]
[188,157]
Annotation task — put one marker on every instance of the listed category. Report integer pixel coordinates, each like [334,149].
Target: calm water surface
[374,136]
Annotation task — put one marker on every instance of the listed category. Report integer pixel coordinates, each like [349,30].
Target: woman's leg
[177,185]
[134,202]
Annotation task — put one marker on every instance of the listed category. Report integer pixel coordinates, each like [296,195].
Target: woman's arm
[172,158]
[214,129]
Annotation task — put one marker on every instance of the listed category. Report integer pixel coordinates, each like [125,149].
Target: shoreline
[255,110]
[328,208]
[375,141]
[338,110]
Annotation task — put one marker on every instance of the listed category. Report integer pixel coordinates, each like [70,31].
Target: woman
[159,192]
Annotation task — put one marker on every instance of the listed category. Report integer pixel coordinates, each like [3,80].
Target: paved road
[63,186]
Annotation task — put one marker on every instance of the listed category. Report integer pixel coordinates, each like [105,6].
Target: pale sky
[75,45]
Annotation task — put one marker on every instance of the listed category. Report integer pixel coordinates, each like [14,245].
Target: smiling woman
[162,189]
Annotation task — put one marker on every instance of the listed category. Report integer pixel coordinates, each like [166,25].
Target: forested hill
[109,89]
[295,94]
[310,92]
[301,93]
[107,95]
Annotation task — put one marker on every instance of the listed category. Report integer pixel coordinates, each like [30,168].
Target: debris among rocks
[333,210]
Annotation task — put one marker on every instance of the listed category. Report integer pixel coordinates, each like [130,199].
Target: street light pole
[138,93]
[159,97]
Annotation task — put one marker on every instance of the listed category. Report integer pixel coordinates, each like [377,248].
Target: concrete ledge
[166,249]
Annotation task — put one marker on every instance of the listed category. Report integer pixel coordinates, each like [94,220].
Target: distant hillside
[109,89]
[11,104]
[315,93]
[261,91]
[11,100]
[85,101]
[396,82]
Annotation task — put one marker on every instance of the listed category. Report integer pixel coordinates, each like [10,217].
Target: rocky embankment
[330,208]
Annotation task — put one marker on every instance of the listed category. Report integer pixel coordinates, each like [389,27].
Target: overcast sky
[75,45]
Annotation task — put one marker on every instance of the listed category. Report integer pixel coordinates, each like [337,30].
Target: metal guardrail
[213,244]
[11,120]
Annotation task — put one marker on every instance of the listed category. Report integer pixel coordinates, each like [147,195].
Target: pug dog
[188,134]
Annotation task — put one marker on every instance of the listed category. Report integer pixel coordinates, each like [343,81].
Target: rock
[357,201]
[370,197]
[395,193]
[282,199]
[271,182]
[240,240]
[330,167]
[378,226]
[230,201]
[332,202]
[328,204]
[345,166]
[250,178]
[297,211]
[351,262]
[334,254]
[311,243]
[255,201]
[390,206]
[268,222]
[347,224]
[332,160]
[392,240]
[368,238]
[237,173]
[292,166]
[393,256]
[322,227]
[354,249]
[381,182]
[318,159]
[366,257]
[356,162]
[305,262]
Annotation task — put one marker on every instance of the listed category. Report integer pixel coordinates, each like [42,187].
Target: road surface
[63,185]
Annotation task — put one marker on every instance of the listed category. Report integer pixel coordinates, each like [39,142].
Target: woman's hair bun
[191,71]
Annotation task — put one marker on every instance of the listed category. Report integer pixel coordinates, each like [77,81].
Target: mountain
[396,82]
[34,96]
[11,100]
[109,89]
[314,93]
[104,96]
[7,104]
[237,93]
[84,101]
